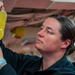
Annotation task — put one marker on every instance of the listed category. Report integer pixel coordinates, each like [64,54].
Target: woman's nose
[41,33]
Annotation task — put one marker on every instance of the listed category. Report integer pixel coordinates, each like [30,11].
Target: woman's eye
[49,32]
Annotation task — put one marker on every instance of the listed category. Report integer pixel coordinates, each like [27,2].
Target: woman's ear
[66,43]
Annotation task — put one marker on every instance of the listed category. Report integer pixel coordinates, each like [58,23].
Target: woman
[54,41]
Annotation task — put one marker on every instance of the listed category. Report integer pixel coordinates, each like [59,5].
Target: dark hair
[67,31]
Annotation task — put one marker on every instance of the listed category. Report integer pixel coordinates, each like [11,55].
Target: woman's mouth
[38,41]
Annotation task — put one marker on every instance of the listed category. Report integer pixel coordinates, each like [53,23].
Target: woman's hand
[1,54]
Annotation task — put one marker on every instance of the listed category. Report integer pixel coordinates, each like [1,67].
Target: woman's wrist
[2,63]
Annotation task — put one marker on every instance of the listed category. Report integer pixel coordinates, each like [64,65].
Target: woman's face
[49,37]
